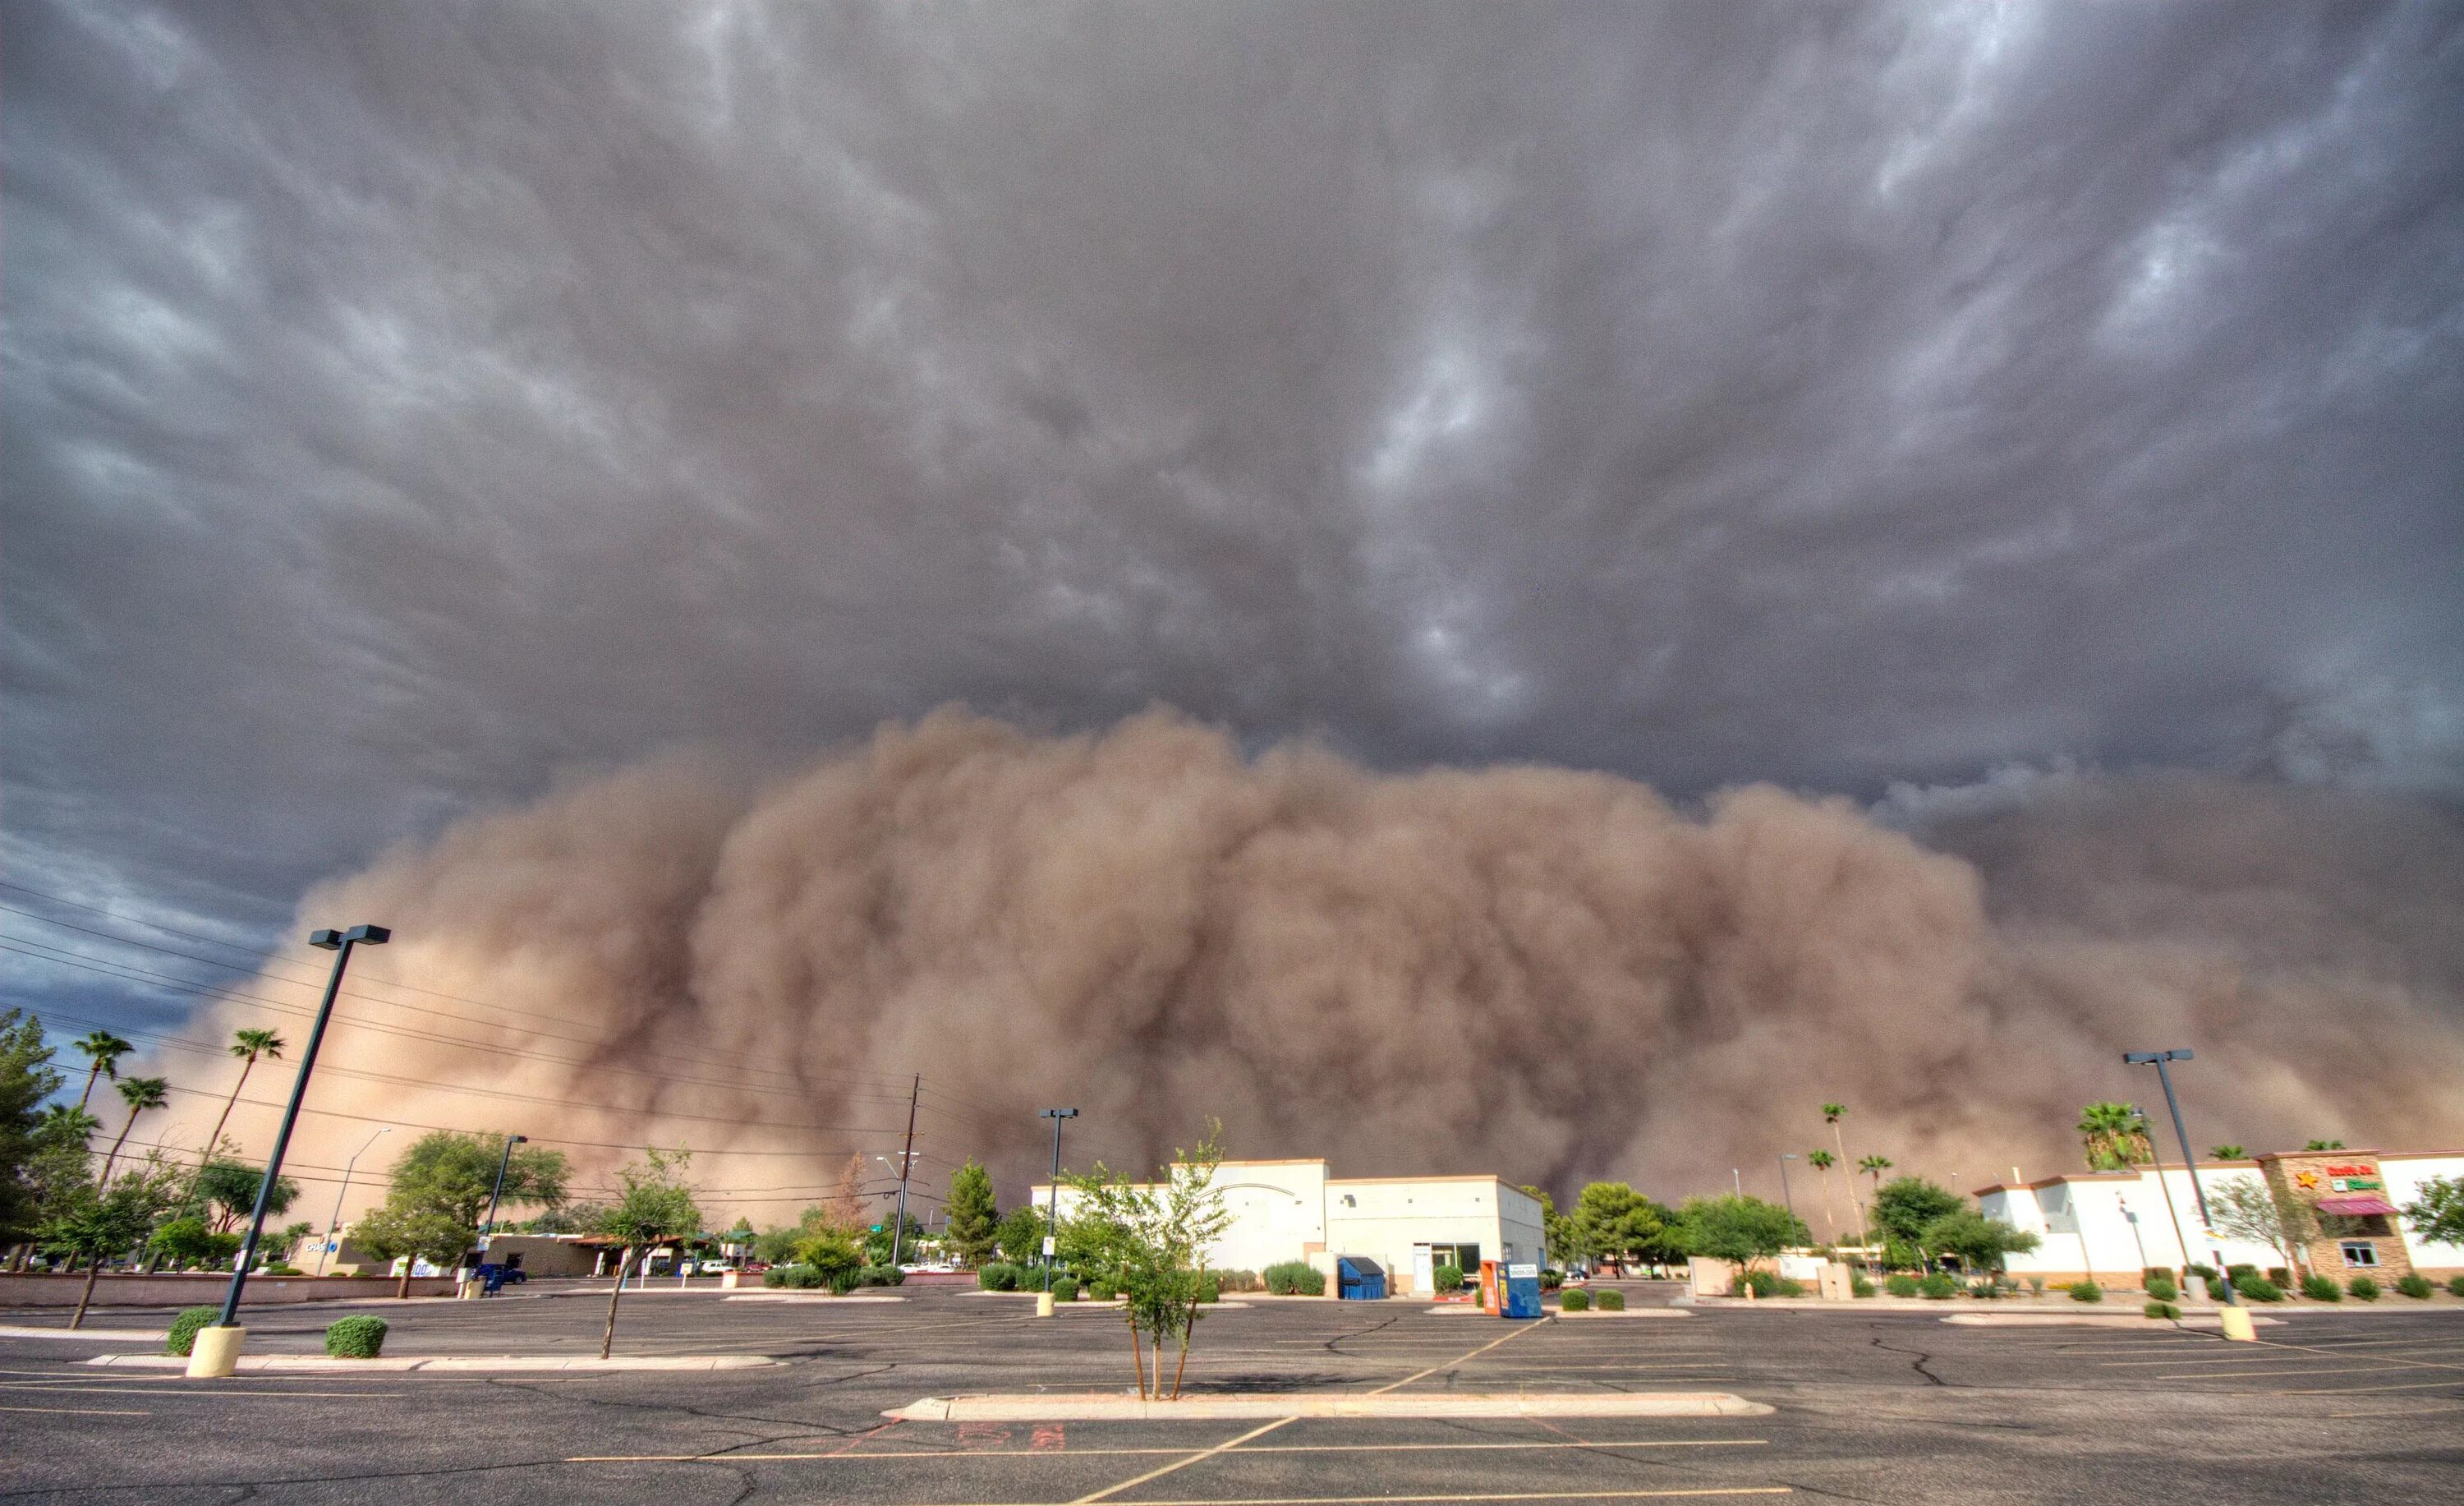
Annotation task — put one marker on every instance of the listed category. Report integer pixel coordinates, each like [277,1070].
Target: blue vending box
[1522,1292]
[1357,1278]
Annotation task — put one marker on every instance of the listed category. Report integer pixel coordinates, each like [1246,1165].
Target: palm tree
[247,1046]
[1832,1114]
[142,1093]
[1874,1166]
[2116,1136]
[1823,1160]
[105,1050]
[2225,1152]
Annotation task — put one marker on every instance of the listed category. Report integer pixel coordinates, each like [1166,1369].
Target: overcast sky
[406,403]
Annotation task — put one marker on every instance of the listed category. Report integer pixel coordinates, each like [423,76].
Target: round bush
[1574,1299]
[2318,1289]
[2086,1292]
[2163,1289]
[1449,1277]
[1937,1288]
[1551,1280]
[184,1328]
[1859,1286]
[998,1276]
[1065,1288]
[1611,1301]
[355,1338]
[2217,1290]
[2162,1310]
[1103,1288]
[1902,1285]
[2363,1288]
[2455,1286]
[2415,1286]
[2258,1288]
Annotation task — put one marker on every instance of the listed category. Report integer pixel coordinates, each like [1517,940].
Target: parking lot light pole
[1052,1216]
[334,1224]
[488,1231]
[1785,1196]
[220,1356]
[2233,1329]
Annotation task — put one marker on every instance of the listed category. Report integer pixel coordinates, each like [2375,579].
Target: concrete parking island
[465,1365]
[1098,1406]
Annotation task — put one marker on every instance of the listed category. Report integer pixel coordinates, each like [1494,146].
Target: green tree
[103,1049]
[96,1221]
[1904,1208]
[1159,1237]
[657,1205]
[1823,1160]
[229,1189]
[247,1046]
[26,1079]
[61,1164]
[1872,1167]
[2225,1152]
[1978,1241]
[1742,1229]
[140,1093]
[450,1174]
[2324,1145]
[2248,1209]
[1021,1234]
[2437,1213]
[407,1232]
[972,1218]
[834,1254]
[2114,1136]
[877,1244]
[188,1243]
[1612,1221]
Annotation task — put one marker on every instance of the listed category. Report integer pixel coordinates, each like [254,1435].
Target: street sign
[1048,1250]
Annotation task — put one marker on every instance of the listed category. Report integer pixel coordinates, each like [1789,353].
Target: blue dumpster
[1357,1278]
[1521,1292]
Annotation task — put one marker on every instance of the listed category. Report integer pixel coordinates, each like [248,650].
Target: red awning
[2355,1205]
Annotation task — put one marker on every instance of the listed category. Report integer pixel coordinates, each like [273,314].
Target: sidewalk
[465,1364]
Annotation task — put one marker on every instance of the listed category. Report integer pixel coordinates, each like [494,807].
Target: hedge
[1574,1299]
[184,1328]
[359,1337]
[1300,1278]
[2086,1292]
[998,1276]
[2162,1310]
[1612,1301]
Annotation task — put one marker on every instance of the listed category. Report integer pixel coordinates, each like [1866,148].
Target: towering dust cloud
[1550,974]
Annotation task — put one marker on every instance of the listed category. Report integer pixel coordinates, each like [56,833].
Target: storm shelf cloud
[1819,535]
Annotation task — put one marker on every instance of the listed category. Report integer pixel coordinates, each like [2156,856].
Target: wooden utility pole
[906,1164]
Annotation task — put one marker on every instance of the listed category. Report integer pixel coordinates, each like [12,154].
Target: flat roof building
[1285,1210]
[2108,1225]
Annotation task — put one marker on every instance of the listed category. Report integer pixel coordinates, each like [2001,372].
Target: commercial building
[1285,1210]
[2108,1225]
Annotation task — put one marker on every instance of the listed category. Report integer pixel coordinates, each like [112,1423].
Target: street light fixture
[221,1356]
[334,1224]
[2157,1061]
[1052,1218]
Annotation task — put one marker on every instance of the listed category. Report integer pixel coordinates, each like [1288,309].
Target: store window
[2360,1253]
[1463,1257]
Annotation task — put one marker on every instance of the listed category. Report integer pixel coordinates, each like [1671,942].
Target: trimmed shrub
[184,1328]
[998,1276]
[1103,1288]
[2318,1289]
[2086,1292]
[841,1282]
[1300,1278]
[1769,1283]
[2235,1273]
[2217,1290]
[1242,1281]
[1902,1285]
[1065,1287]
[1449,1277]
[1937,1288]
[1611,1300]
[359,1337]
[2162,1310]
[2163,1289]
[2203,1273]
[1858,1285]
[281,1269]
[2363,1288]
[2455,1286]
[2279,1276]
[2416,1286]
[2149,1276]
[880,1275]
[2258,1288]
[797,1277]
[1551,1280]
[1574,1299]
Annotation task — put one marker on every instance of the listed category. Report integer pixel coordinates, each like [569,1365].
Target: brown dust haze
[1549,974]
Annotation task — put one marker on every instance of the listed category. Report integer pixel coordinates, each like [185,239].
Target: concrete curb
[109,1336]
[2092,1320]
[806,1297]
[1093,1407]
[327,1364]
[1590,1313]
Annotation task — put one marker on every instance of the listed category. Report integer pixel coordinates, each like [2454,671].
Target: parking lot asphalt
[1868,1407]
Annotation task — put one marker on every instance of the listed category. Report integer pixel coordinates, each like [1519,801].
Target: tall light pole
[2172,1212]
[1052,1217]
[488,1231]
[222,1356]
[2157,1061]
[1787,1196]
[334,1224]
[906,1164]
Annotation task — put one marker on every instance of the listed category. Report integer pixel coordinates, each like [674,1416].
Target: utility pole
[2190,1158]
[1787,1196]
[219,1356]
[906,1163]
[488,1230]
[334,1224]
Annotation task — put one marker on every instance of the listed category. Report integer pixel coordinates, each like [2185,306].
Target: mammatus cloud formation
[1550,974]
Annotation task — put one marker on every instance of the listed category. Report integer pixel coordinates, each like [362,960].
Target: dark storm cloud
[403,403]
